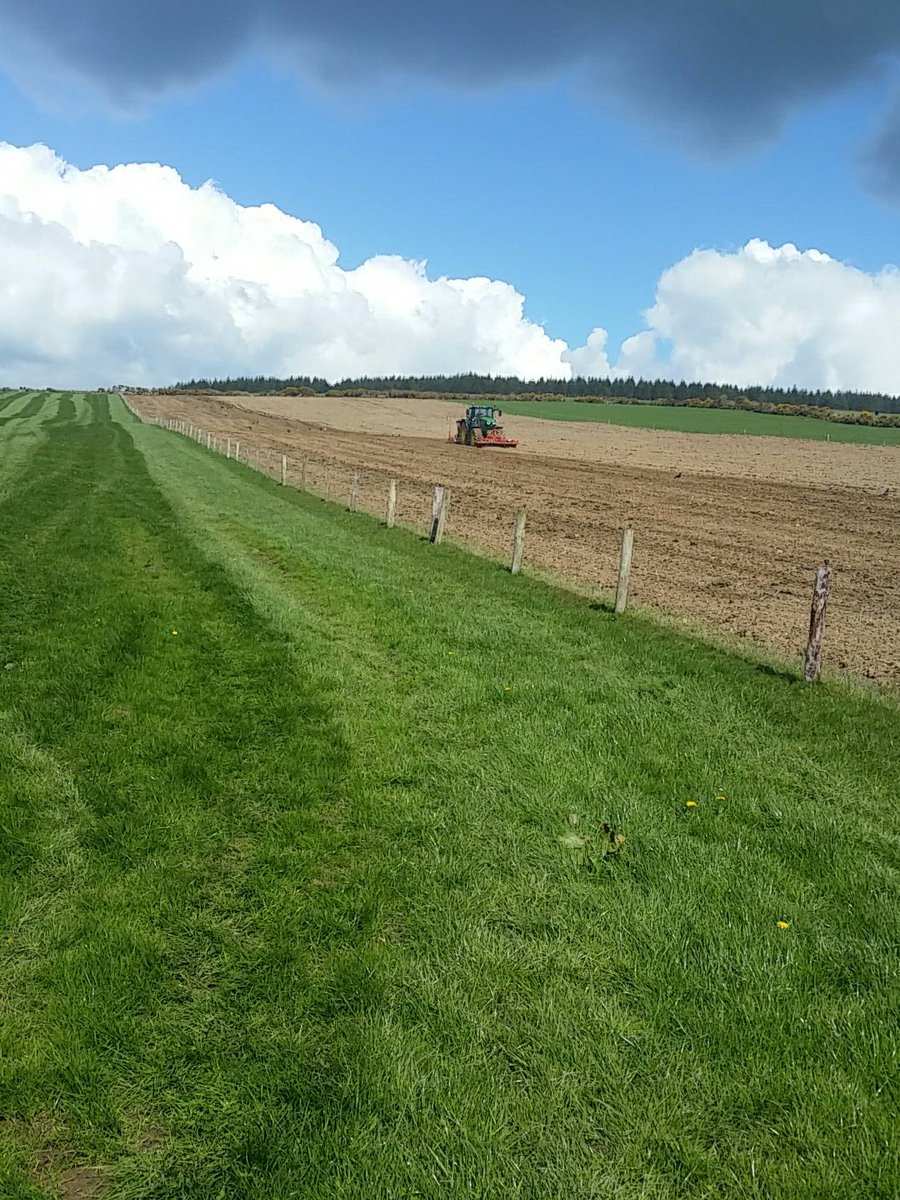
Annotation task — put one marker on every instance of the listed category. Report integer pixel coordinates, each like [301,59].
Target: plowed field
[728,529]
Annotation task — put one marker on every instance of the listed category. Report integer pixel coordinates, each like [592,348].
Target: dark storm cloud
[724,73]
[881,159]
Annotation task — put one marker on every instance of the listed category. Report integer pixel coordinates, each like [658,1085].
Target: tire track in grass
[177,903]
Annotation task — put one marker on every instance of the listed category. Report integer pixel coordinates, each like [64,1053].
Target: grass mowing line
[8,398]
[21,433]
[701,420]
[33,407]
[541,1029]
[165,799]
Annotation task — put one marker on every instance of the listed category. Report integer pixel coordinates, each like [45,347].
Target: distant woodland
[642,391]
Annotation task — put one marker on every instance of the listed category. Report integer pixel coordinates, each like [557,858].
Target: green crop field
[700,420]
[304,891]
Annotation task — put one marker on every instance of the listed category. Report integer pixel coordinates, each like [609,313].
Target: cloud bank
[772,316]
[127,275]
[727,74]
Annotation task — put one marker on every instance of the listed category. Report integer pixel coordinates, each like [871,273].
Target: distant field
[701,420]
[304,893]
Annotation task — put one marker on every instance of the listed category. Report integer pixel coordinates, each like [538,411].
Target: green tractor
[480,427]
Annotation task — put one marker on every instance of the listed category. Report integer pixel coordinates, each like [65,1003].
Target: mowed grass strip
[701,420]
[162,760]
[298,899]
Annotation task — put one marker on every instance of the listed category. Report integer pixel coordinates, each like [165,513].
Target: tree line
[655,391]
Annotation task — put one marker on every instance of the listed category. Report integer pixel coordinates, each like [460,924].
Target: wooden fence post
[392,504]
[237,451]
[624,570]
[283,470]
[518,543]
[812,663]
[303,474]
[209,441]
[440,507]
[328,482]
[228,449]
[354,490]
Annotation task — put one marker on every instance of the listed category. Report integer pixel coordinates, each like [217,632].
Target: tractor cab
[484,414]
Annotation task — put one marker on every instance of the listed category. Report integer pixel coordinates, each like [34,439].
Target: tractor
[479,427]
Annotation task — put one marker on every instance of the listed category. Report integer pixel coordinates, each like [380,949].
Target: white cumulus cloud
[772,315]
[127,274]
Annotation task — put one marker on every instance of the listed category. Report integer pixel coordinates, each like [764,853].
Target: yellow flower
[721,797]
[691,804]
[174,633]
[783,924]
[507,689]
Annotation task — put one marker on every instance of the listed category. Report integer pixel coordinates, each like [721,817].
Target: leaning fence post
[392,504]
[812,663]
[624,570]
[283,470]
[440,506]
[518,543]
[354,490]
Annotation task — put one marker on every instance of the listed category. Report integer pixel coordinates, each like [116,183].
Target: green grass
[701,420]
[287,905]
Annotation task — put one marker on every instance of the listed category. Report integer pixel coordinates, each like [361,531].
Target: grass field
[701,420]
[295,895]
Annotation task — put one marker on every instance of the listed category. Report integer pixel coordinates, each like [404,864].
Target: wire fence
[482,518]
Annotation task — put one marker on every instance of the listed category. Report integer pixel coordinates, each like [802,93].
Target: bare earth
[728,530]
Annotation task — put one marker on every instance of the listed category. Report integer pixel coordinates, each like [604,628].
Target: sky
[701,191]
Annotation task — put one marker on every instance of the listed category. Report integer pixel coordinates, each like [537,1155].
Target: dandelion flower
[721,797]
[174,633]
[783,924]
[691,804]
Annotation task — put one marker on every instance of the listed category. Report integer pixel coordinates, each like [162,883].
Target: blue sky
[569,195]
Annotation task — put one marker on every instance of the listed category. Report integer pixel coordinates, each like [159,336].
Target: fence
[405,502]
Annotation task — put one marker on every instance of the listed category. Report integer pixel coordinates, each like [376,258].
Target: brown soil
[82,1183]
[782,460]
[728,530]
